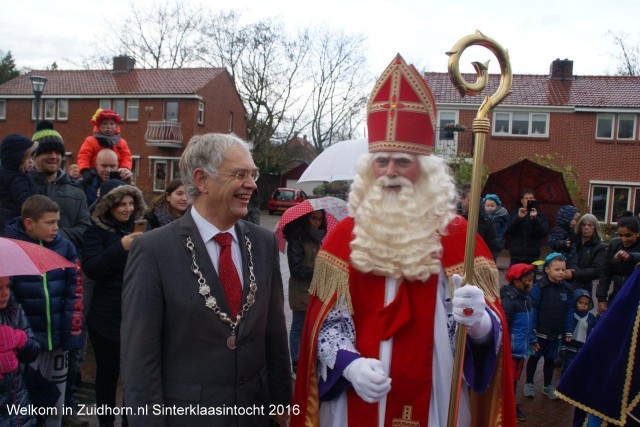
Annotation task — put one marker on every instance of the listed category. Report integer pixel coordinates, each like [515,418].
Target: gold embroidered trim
[485,276]
[626,407]
[405,147]
[331,276]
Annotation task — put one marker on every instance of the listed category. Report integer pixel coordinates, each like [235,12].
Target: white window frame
[633,131]
[3,109]
[49,109]
[510,116]
[200,112]
[133,110]
[442,122]
[63,110]
[604,116]
[105,104]
[169,163]
[120,107]
[33,109]
[135,166]
[617,188]
[607,199]
[155,163]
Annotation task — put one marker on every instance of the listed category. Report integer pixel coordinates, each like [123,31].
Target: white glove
[368,379]
[471,297]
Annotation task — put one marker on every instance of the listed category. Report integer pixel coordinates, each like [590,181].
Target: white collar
[208,230]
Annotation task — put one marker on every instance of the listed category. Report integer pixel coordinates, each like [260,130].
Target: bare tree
[166,35]
[628,56]
[340,87]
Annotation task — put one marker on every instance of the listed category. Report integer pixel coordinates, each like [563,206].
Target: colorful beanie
[101,115]
[551,257]
[48,139]
[493,197]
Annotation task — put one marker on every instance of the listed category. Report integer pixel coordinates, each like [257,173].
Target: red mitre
[401,111]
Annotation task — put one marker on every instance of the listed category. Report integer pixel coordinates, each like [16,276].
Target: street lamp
[38,83]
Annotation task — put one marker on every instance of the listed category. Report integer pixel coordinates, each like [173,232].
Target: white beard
[397,233]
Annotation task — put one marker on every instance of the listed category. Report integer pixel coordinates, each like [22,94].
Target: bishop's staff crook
[481,127]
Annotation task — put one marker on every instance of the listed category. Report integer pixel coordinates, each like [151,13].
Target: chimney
[562,69]
[123,64]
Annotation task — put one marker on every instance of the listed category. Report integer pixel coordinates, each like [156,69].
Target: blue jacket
[552,308]
[518,310]
[52,302]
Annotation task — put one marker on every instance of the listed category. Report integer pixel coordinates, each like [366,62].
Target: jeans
[297,322]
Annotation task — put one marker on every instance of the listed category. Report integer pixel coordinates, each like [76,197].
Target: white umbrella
[336,163]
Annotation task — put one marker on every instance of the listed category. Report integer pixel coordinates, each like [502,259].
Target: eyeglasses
[242,175]
[316,218]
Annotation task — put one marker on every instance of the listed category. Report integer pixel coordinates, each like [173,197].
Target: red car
[283,198]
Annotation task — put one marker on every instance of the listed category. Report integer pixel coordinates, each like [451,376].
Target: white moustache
[398,181]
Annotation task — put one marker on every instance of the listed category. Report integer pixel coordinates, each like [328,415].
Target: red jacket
[89,150]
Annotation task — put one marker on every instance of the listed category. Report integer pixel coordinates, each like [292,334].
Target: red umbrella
[335,210]
[20,258]
[548,186]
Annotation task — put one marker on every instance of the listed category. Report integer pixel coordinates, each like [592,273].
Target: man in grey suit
[186,359]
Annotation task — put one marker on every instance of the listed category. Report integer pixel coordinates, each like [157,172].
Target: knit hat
[12,150]
[493,197]
[101,115]
[401,112]
[109,185]
[516,271]
[48,139]
[551,257]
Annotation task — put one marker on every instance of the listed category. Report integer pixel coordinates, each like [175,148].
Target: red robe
[408,319]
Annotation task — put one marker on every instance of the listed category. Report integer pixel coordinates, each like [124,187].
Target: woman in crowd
[304,237]
[620,260]
[172,204]
[104,256]
[590,254]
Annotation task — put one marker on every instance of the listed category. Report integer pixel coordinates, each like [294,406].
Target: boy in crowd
[516,302]
[52,302]
[552,310]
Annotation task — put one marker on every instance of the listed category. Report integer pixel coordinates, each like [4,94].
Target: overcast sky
[534,32]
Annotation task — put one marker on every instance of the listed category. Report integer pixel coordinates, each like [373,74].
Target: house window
[171,111]
[159,175]
[175,169]
[521,123]
[230,121]
[33,109]
[447,118]
[3,109]
[636,205]
[63,109]
[599,202]
[621,199]
[200,112]
[626,126]
[119,106]
[49,109]
[132,110]
[105,104]
[135,167]
[604,128]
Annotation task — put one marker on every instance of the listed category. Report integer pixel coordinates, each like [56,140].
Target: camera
[114,175]
[532,204]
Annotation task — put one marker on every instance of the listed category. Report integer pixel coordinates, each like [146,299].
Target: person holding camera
[106,168]
[527,226]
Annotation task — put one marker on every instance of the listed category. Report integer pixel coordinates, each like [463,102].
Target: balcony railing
[453,144]
[165,133]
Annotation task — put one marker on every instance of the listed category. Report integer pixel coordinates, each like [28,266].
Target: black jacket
[525,236]
[615,270]
[552,308]
[486,230]
[590,263]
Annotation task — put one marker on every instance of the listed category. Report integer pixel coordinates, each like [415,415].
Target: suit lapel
[188,229]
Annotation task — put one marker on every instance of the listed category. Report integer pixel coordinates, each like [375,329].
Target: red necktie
[228,274]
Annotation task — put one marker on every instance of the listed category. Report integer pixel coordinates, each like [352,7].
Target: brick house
[161,110]
[589,122]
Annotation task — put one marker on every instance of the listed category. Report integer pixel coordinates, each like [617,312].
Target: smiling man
[377,342]
[203,306]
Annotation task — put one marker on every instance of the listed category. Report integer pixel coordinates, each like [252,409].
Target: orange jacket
[89,150]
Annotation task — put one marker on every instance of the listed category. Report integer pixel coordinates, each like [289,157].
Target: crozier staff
[203,318]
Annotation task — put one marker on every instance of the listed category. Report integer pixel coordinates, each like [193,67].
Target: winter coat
[615,270]
[91,146]
[104,260]
[12,387]
[161,215]
[15,186]
[518,310]
[525,235]
[552,308]
[562,237]
[590,262]
[53,302]
[74,214]
[500,218]
[486,230]
[575,345]
[301,255]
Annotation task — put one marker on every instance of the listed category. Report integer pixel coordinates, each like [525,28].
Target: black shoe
[520,416]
